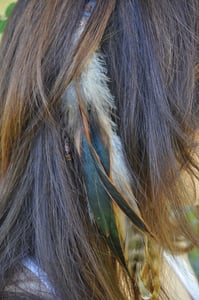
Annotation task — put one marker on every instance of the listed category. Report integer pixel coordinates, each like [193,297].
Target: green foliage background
[4,15]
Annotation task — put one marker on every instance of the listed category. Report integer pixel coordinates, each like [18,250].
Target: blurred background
[6,7]
[3,5]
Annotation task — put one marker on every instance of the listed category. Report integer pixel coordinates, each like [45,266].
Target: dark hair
[151,51]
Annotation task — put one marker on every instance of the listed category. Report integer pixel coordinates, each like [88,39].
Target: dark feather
[99,165]
[100,204]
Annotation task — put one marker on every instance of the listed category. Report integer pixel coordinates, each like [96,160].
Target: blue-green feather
[99,200]
[102,175]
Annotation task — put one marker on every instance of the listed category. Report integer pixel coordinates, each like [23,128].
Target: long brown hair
[151,51]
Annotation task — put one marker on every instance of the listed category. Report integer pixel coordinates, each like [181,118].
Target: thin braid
[150,273]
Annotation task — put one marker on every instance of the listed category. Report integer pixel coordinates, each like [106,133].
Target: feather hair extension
[86,106]
[95,104]
[88,117]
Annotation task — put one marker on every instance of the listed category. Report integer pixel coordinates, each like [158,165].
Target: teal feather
[118,198]
[99,200]
[101,192]
[97,158]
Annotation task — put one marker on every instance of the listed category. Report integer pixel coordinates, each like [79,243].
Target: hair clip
[88,10]
[67,151]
